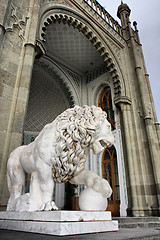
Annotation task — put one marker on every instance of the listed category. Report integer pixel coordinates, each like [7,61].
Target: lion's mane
[75,131]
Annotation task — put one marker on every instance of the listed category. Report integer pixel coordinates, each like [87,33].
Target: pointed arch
[105,102]
[51,16]
[50,94]
[51,66]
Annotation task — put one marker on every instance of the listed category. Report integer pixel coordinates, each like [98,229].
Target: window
[105,102]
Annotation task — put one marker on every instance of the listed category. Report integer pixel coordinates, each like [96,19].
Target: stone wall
[19,21]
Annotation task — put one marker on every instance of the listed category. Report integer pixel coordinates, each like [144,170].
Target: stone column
[3,14]
[121,171]
[130,170]
[137,205]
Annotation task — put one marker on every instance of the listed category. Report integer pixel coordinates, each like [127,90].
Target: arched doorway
[109,157]
[110,173]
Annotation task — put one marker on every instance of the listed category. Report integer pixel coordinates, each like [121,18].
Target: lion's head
[78,130]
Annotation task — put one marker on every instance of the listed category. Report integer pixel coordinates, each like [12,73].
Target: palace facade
[56,54]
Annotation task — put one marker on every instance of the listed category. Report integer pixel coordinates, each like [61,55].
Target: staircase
[138,222]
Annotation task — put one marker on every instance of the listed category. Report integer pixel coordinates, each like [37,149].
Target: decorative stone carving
[76,77]
[92,37]
[58,154]
[18,23]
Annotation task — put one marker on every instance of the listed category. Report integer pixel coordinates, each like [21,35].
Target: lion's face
[104,138]
[78,130]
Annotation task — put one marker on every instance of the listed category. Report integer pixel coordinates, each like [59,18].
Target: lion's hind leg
[15,178]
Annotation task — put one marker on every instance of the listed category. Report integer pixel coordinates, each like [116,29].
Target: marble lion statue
[58,154]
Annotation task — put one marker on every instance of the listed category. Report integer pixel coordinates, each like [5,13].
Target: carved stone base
[58,222]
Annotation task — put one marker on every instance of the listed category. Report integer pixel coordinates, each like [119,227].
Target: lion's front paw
[101,185]
[48,206]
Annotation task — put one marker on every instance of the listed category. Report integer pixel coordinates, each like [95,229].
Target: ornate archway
[66,17]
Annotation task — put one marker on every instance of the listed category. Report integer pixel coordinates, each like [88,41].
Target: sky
[146,14]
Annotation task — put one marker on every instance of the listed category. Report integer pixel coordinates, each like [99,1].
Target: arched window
[105,102]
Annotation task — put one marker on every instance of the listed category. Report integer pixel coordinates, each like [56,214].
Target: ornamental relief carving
[148,111]
[115,47]
[17,22]
[116,50]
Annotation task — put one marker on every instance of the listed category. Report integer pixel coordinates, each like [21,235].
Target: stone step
[138,222]
[59,223]
[140,225]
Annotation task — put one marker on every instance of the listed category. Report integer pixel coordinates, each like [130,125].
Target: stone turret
[123,13]
[139,80]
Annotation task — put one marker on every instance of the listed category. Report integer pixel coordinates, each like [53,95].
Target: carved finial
[121,2]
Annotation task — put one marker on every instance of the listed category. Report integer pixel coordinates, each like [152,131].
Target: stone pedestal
[58,222]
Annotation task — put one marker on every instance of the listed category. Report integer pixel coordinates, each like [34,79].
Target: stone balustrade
[98,9]
[95,10]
